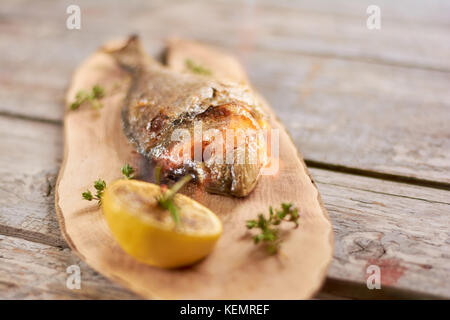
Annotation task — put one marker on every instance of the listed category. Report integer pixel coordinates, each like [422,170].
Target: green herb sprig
[196,68]
[92,97]
[100,186]
[127,171]
[270,234]
[165,200]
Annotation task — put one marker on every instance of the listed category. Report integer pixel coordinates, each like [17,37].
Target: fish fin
[129,54]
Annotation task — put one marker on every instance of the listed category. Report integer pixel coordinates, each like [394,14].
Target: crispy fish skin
[160,101]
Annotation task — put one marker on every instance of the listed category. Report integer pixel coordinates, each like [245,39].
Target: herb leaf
[98,92]
[165,200]
[92,97]
[99,186]
[87,195]
[269,233]
[196,68]
[127,171]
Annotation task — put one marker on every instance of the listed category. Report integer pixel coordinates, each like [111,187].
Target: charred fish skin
[160,101]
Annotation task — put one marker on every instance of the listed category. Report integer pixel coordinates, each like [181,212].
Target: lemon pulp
[148,233]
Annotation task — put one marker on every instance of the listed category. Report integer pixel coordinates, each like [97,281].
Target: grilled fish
[162,103]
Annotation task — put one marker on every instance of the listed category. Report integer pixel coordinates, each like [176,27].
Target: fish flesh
[162,103]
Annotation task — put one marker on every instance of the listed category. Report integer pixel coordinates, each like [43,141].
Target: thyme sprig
[269,232]
[165,200]
[127,171]
[99,186]
[92,97]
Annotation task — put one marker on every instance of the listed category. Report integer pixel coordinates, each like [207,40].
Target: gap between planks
[33,236]
[377,175]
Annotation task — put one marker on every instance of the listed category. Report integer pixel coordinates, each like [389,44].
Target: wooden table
[369,109]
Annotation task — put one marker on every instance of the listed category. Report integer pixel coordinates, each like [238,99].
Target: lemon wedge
[148,233]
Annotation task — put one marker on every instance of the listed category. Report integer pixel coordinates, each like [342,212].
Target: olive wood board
[96,147]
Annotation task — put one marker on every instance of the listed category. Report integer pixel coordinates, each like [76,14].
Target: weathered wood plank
[412,33]
[338,28]
[30,270]
[29,160]
[34,35]
[372,117]
[401,227]
[49,52]
[344,112]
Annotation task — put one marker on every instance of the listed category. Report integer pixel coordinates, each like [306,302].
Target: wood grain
[31,154]
[235,269]
[360,243]
[357,206]
[372,117]
[345,101]
[403,229]
[38,55]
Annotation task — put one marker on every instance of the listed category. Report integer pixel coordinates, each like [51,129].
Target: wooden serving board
[95,147]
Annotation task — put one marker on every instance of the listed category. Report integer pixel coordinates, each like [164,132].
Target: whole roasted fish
[163,105]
